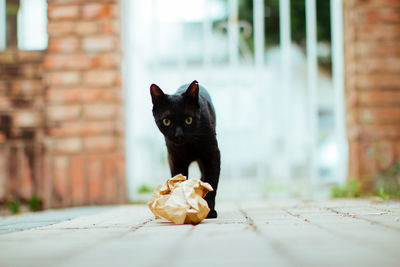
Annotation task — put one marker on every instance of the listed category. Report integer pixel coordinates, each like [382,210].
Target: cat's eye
[166,122]
[189,120]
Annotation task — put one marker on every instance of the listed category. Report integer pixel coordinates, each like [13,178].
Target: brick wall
[61,110]
[21,124]
[372,68]
[84,108]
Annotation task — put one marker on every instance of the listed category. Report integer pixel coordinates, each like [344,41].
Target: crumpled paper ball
[181,200]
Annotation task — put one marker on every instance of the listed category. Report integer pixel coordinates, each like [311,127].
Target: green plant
[14,206]
[388,182]
[35,203]
[143,189]
[350,189]
[381,193]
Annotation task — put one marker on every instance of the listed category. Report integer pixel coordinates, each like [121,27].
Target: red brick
[99,111]
[45,187]
[64,44]
[64,77]
[354,160]
[63,12]
[30,56]
[369,158]
[26,187]
[397,151]
[70,62]
[100,77]
[99,143]
[8,57]
[120,168]
[13,171]
[26,118]
[95,179]
[378,32]
[99,43]
[57,28]
[379,64]
[83,128]
[378,81]
[379,97]
[110,60]
[5,103]
[63,113]
[67,145]
[381,115]
[376,3]
[30,71]
[378,15]
[98,10]
[3,167]
[78,94]
[3,139]
[110,27]
[110,180]
[112,95]
[60,181]
[379,132]
[78,182]
[385,154]
[25,87]
[368,166]
[57,2]
[369,49]
[87,27]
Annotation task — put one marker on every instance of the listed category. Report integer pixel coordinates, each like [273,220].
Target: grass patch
[349,190]
[388,182]
[14,206]
[35,203]
[144,189]
[387,186]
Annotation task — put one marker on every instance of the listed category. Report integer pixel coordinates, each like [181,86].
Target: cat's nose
[179,132]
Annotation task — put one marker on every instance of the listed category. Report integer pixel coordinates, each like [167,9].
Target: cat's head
[177,116]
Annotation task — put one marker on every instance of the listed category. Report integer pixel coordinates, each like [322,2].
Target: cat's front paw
[212,214]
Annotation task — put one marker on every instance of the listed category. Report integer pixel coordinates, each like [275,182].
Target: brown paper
[180,200]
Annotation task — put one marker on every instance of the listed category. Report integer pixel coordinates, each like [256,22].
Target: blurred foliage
[351,189]
[387,185]
[388,182]
[14,206]
[35,203]
[275,188]
[297,22]
[144,188]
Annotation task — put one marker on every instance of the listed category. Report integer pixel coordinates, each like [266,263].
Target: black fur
[187,142]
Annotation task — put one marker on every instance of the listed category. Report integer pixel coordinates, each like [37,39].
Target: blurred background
[76,126]
[270,77]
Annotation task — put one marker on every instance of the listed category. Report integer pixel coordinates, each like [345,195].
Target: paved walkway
[285,233]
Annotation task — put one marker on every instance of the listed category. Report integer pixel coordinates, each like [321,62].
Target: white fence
[267,101]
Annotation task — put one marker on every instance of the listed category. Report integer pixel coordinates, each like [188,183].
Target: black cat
[187,121]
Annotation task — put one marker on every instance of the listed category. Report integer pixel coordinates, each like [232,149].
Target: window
[32,22]
[23,24]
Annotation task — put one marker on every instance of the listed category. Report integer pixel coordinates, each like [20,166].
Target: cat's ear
[192,93]
[157,95]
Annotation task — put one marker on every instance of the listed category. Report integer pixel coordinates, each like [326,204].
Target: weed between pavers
[16,206]
[387,185]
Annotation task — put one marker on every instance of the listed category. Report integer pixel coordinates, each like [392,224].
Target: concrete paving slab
[262,233]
